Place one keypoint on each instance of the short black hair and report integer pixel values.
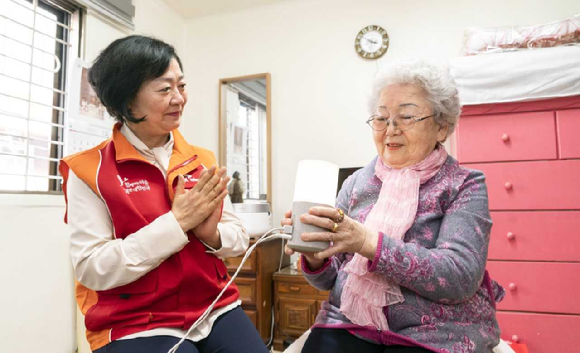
(123, 67)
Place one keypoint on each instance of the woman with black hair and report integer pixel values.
(150, 217)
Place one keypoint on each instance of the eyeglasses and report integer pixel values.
(401, 122)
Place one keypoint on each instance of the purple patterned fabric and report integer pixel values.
(440, 265)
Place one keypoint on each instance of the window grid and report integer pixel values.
(39, 103)
(249, 114)
(253, 168)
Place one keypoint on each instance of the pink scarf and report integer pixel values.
(366, 293)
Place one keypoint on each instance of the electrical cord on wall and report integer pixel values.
(269, 235)
(271, 340)
(269, 344)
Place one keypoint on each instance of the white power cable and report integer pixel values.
(287, 231)
(265, 237)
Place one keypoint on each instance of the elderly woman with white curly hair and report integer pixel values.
(409, 234)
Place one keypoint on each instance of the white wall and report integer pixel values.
(37, 297)
(155, 18)
(37, 300)
(319, 84)
(152, 17)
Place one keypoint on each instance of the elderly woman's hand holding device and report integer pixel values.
(409, 235)
(348, 235)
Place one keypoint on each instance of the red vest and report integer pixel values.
(176, 293)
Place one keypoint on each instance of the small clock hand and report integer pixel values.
(370, 40)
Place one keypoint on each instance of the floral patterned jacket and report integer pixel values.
(440, 265)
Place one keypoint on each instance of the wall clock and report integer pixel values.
(371, 42)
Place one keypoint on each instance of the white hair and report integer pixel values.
(436, 81)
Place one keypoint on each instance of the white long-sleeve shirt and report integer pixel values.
(102, 262)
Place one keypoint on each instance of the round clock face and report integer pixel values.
(372, 42)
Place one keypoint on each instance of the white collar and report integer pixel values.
(140, 145)
(159, 156)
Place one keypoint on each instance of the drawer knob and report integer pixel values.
(294, 289)
(511, 236)
(512, 286)
(515, 338)
(508, 185)
(505, 137)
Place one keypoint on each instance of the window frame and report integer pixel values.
(69, 34)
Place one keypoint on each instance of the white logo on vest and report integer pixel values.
(190, 178)
(136, 186)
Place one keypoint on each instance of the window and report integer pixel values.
(252, 116)
(35, 46)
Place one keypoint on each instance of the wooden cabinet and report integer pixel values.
(296, 305)
(255, 283)
(296, 315)
(530, 154)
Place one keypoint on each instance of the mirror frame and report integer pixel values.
(222, 124)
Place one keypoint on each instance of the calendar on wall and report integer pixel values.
(83, 136)
(88, 122)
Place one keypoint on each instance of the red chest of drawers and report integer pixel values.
(530, 154)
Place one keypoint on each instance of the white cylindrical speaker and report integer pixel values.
(316, 184)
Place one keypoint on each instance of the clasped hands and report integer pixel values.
(344, 233)
(198, 209)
